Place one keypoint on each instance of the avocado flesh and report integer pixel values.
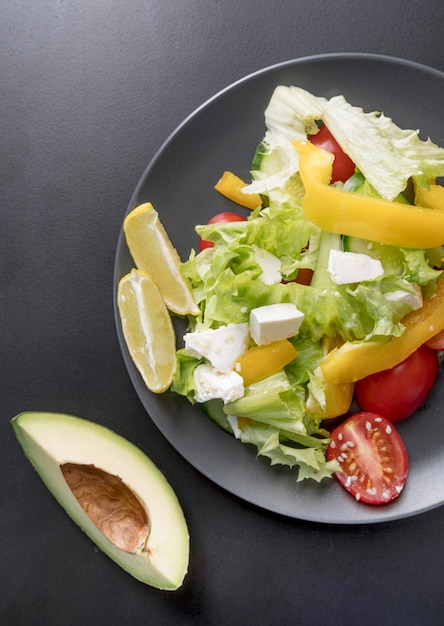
(56, 443)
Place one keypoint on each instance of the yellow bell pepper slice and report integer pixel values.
(338, 398)
(355, 360)
(230, 185)
(345, 213)
(432, 198)
(261, 361)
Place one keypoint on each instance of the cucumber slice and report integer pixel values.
(215, 410)
(390, 256)
(266, 160)
(321, 278)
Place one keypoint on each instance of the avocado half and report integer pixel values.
(113, 491)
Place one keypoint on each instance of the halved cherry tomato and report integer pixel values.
(372, 457)
(226, 216)
(397, 393)
(436, 342)
(343, 166)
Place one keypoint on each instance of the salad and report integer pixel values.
(325, 297)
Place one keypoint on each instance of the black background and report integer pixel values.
(89, 90)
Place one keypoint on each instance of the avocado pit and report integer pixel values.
(110, 504)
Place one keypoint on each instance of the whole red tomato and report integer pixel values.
(396, 393)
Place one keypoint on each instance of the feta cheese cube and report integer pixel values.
(352, 267)
(270, 266)
(274, 322)
(211, 383)
(221, 346)
(414, 300)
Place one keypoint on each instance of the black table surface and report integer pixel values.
(89, 90)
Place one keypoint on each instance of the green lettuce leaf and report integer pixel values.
(273, 401)
(310, 354)
(183, 378)
(310, 459)
(417, 266)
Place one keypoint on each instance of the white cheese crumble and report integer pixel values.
(274, 322)
(221, 346)
(352, 267)
(211, 384)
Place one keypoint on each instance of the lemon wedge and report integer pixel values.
(148, 329)
(153, 252)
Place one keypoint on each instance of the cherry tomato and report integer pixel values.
(226, 216)
(372, 457)
(436, 342)
(343, 166)
(397, 393)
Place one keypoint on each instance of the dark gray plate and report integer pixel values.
(222, 134)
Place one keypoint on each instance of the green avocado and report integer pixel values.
(112, 491)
